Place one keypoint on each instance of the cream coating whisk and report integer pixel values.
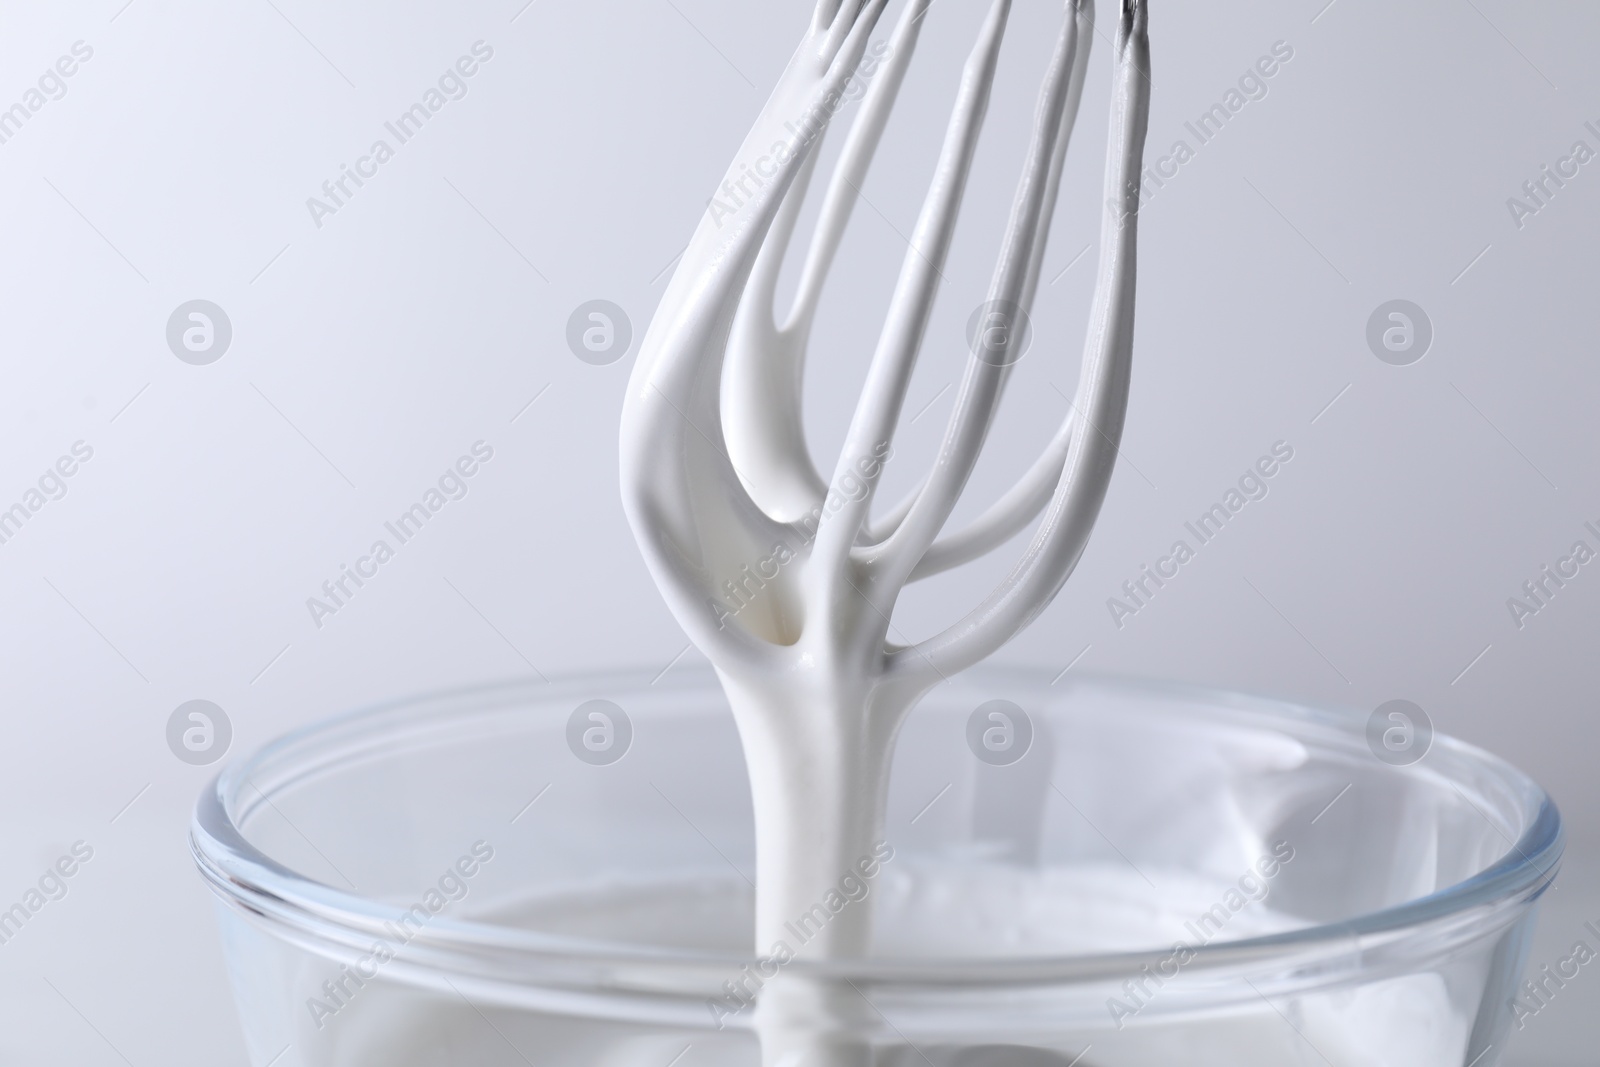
(783, 579)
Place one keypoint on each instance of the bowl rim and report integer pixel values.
(327, 918)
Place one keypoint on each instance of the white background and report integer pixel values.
(368, 353)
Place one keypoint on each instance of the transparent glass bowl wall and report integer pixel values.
(447, 880)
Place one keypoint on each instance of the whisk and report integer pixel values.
(783, 579)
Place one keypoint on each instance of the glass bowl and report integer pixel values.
(1097, 873)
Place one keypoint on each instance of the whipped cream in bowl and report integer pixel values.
(1160, 877)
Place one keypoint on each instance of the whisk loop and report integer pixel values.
(779, 574)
